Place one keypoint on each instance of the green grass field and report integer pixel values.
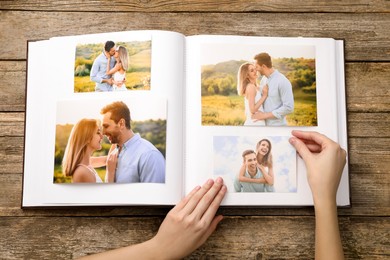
(134, 81)
(229, 110)
(137, 77)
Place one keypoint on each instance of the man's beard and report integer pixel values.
(113, 139)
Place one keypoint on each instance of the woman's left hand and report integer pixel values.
(189, 224)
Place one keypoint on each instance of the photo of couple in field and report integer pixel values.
(112, 66)
(258, 85)
(117, 141)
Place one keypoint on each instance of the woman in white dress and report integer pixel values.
(119, 71)
(85, 138)
(254, 94)
(264, 164)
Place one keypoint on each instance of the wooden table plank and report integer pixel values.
(334, 6)
(245, 233)
(235, 238)
(370, 196)
(366, 35)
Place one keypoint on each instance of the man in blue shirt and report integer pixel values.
(138, 159)
(280, 100)
(99, 68)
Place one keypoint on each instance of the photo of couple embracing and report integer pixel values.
(269, 102)
(113, 66)
(255, 85)
(130, 157)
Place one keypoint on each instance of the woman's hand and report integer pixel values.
(189, 224)
(112, 160)
(264, 92)
(325, 161)
(185, 228)
(268, 175)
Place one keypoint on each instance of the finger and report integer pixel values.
(208, 199)
(209, 211)
(194, 200)
(311, 136)
(314, 148)
(301, 148)
(185, 200)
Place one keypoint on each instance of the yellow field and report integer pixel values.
(229, 110)
(134, 81)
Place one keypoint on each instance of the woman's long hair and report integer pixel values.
(80, 136)
(123, 57)
(267, 158)
(242, 78)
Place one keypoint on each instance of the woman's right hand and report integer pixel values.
(325, 161)
(112, 160)
(264, 92)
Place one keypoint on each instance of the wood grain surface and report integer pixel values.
(246, 232)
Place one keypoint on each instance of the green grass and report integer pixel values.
(134, 81)
(223, 110)
(229, 110)
(137, 77)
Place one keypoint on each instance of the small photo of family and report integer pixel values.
(255, 85)
(112, 66)
(100, 141)
(255, 164)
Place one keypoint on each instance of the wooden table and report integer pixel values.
(245, 233)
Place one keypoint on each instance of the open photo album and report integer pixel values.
(142, 117)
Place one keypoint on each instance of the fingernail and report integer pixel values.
(210, 181)
(219, 180)
(292, 140)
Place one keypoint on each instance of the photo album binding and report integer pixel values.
(142, 117)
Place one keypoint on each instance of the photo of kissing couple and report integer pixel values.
(244, 87)
(104, 144)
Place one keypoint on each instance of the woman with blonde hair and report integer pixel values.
(254, 94)
(119, 71)
(78, 163)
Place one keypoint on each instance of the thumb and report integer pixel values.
(300, 147)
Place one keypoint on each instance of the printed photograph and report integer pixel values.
(122, 141)
(258, 85)
(256, 163)
(112, 66)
